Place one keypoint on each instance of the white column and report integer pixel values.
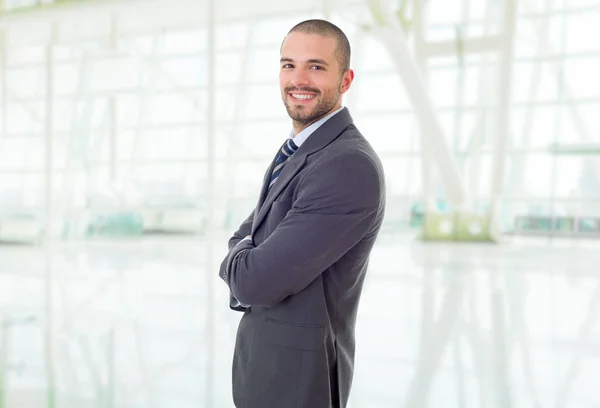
(392, 37)
(112, 109)
(504, 115)
(426, 157)
(48, 133)
(478, 134)
(112, 152)
(48, 221)
(211, 191)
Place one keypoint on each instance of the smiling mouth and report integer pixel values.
(302, 97)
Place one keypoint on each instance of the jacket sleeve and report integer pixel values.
(336, 204)
(242, 232)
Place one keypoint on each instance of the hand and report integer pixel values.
(246, 238)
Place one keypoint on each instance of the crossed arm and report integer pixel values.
(241, 234)
(336, 205)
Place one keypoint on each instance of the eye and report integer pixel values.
(287, 66)
(317, 67)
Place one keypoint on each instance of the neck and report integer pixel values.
(300, 126)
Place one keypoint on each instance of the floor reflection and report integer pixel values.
(129, 324)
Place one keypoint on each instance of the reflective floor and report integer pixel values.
(145, 324)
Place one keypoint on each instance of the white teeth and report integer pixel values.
(303, 97)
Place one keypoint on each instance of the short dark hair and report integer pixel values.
(325, 28)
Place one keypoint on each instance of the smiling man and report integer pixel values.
(312, 77)
(297, 264)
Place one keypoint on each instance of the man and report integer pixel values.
(296, 265)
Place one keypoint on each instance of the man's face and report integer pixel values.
(310, 78)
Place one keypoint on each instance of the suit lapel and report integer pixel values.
(287, 174)
(324, 135)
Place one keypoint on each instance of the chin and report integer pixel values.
(301, 115)
(298, 113)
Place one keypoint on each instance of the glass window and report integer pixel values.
(580, 77)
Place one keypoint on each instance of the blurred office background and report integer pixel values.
(134, 137)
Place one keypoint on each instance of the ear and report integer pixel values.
(347, 78)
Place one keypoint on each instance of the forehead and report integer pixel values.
(302, 46)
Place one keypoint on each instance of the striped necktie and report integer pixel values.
(287, 150)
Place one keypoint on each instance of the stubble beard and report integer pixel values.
(301, 115)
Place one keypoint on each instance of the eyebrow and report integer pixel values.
(311, 61)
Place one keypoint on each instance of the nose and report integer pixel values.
(300, 79)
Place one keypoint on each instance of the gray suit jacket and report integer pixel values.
(302, 273)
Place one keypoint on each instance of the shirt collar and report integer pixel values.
(304, 134)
